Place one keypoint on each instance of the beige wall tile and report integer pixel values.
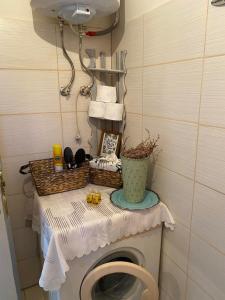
(68, 104)
(29, 271)
(133, 100)
(208, 216)
(176, 192)
(174, 31)
(210, 161)
(175, 245)
(17, 210)
(15, 182)
(132, 41)
(213, 102)
(27, 45)
(25, 240)
(133, 130)
(207, 268)
(24, 91)
(173, 90)
(172, 279)
(27, 134)
(215, 39)
(134, 9)
(70, 130)
(177, 144)
(22, 11)
(194, 292)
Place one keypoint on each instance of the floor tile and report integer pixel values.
(35, 293)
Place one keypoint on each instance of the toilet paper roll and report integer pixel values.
(106, 93)
(114, 111)
(96, 109)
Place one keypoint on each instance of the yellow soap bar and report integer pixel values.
(99, 196)
(89, 198)
(94, 198)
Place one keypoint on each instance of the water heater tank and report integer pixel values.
(76, 11)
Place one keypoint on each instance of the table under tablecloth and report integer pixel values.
(70, 227)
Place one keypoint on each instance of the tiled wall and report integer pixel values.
(176, 87)
(33, 116)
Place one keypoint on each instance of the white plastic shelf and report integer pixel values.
(106, 70)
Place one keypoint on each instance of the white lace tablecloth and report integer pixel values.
(69, 228)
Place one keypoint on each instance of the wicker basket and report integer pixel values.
(106, 178)
(47, 181)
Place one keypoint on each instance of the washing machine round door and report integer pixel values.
(113, 281)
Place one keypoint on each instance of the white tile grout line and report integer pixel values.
(169, 119)
(38, 70)
(40, 113)
(128, 68)
(197, 140)
(177, 61)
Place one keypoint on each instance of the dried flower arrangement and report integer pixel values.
(143, 150)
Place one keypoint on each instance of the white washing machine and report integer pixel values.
(114, 272)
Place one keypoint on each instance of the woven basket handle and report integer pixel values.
(23, 168)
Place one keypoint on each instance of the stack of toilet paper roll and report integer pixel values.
(105, 106)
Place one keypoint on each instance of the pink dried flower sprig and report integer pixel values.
(143, 150)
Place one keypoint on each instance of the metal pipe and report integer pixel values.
(65, 91)
(85, 90)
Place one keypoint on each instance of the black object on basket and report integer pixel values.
(47, 181)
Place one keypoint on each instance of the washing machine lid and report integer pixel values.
(150, 291)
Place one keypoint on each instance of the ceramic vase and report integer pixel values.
(134, 173)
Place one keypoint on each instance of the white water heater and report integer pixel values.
(76, 11)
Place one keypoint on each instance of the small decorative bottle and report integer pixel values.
(57, 156)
